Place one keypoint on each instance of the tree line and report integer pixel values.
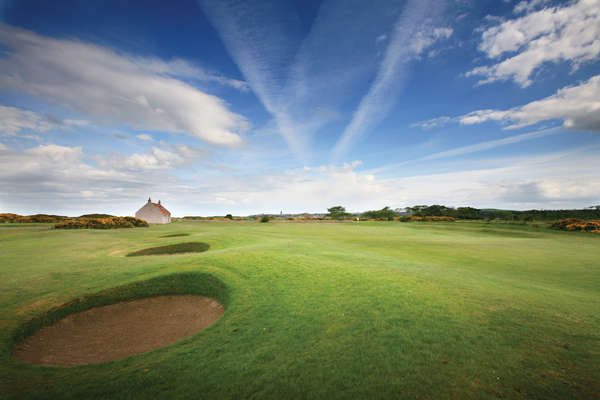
(436, 210)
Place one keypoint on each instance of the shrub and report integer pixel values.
(572, 224)
(101, 223)
(427, 219)
(96, 216)
(265, 218)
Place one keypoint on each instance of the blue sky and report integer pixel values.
(221, 107)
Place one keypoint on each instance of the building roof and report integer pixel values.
(161, 208)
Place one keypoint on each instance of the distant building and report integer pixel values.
(154, 213)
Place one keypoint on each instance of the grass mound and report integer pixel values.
(193, 283)
(188, 247)
(175, 235)
(572, 224)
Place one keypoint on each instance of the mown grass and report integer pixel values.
(188, 247)
(358, 310)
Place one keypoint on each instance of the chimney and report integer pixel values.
(159, 202)
(149, 201)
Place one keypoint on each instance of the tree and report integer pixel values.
(229, 216)
(338, 212)
(384, 213)
(467, 213)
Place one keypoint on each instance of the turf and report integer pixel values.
(188, 247)
(350, 310)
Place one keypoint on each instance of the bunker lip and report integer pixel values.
(119, 330)
(179, 248)
(195, 291)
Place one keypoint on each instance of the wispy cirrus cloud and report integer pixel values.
(263, 45)
(413, 33)
(577, 106)
(114, 88)
(550, 35)
(469, 149)
(297, 75)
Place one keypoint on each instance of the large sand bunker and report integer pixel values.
(119, 330)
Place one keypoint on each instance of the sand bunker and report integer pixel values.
(119, 330)
(187, 247)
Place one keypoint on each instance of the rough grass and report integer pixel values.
(466, 310)
(188, 247)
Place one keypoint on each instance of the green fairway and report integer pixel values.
(463, 310)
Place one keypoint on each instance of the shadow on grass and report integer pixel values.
(175, 235)
(194, 283)
(188, 247)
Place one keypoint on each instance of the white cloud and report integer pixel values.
(109, 87)
(380, 39)
(413, 33)
(145, 137)
(158, 159)
(528, 6)
(566, 180)
(577, 106)
(14, 120)
(555, 34)
(56, 179)
(55, 153)
(432, 123)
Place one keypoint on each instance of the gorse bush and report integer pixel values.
(572, 224)
(265, 218)
(39, 218)
(102, 223)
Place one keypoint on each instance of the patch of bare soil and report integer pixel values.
(119, 330)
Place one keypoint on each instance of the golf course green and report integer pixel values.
(460, 310)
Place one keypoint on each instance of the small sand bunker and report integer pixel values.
(187, 247)
(119, 330)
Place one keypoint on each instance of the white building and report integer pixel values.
(154, 213)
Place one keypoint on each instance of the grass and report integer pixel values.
(175, 235)
(462, 310)
(188, 247)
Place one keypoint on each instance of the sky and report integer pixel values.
(217, 107)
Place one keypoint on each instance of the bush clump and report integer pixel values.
(572, 224)
(37, 218)
(409, 218)
(265, 218)
(96, 216)
(101, 223)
